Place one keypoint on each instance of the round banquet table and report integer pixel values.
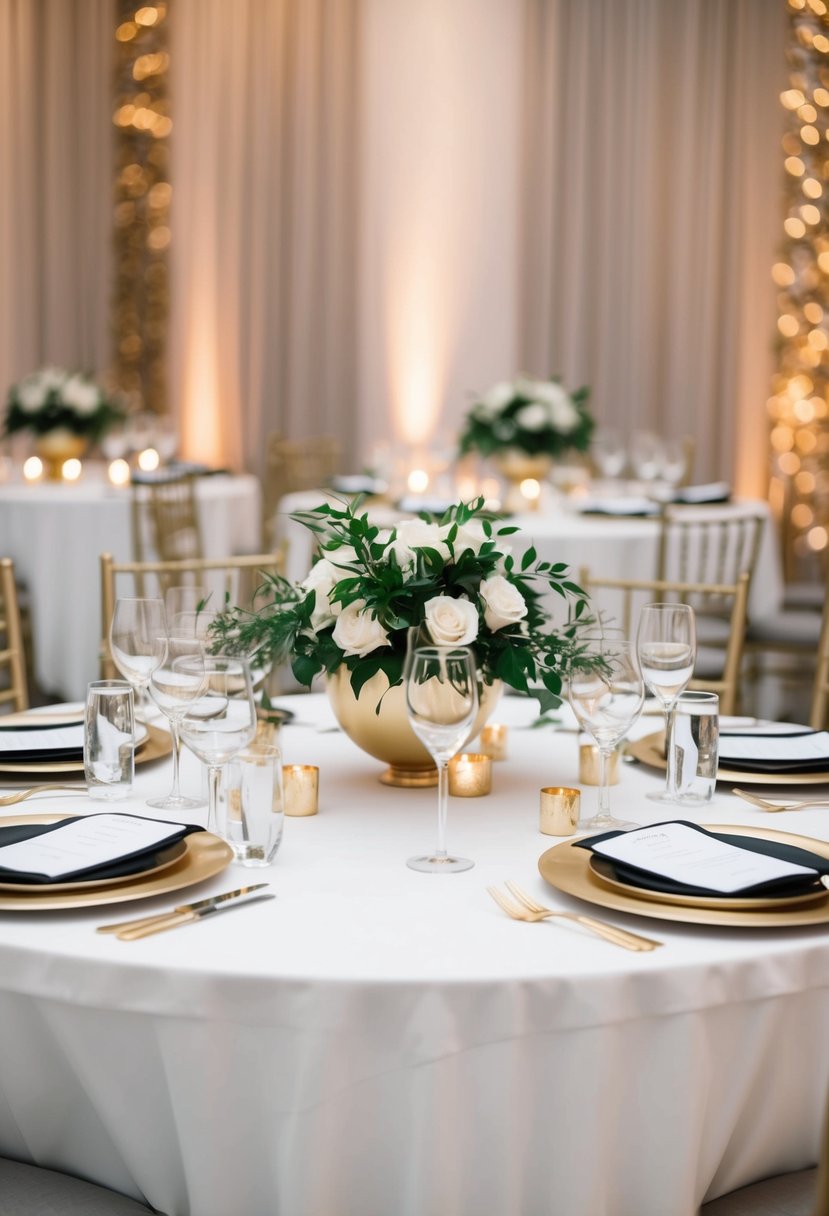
(376, 1040)
(56, 531)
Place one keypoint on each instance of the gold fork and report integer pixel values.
(793, 804)
(527, 910)
(10, 799)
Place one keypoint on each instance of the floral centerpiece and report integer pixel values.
(53, 399)
(536, 417)
(456, 577)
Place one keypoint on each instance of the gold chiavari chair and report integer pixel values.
(13, 691)
(296, 464)
(618, 600)
(820, 691)
(230, 580)
(165, 519)
(709, 544)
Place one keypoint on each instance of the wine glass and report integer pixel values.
(666, 642)
(606, 693)
(220, 722)
(441, 703)
(187, 612)
(138, 642)
(174, 689)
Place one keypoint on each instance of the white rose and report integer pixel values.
(31, 394)
(470, 535)
(526, 386)
(494, 399)
(564, 415)
(412, 534)
(323, 578)
(503, 602)
(358, 632)
(82, 396)
(533, 417)
(345, 555)
(52, 377)
(451, 622)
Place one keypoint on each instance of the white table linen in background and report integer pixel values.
(381, 1041)
(610, 547)
(55, 532)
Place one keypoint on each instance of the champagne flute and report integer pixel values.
(666, 642)
(219, 723)
(606, 693)
(441, 703)
(138, 642)
(174, 689)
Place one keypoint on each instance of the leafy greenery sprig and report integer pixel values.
(387, 582)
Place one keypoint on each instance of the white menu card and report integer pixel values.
(91, 841)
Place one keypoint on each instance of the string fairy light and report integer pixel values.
(798, 409)
(143, 195)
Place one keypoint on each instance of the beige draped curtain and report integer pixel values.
(264, 220)
(56, 175)
(652, 186)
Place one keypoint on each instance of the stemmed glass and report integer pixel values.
(220, 722)
(442, 703)
(666, 642)
(174, 689)
(606, 693)
(138, 642)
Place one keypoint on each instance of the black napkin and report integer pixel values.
(777, 888)
(768, 764)
(48, 755)
(134, 863)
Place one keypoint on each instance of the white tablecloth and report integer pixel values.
(381, 1041)
(55, 533)
(610, 547)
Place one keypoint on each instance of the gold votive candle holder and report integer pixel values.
(589, 765)
(494, 740)
(470, 775)
(300, 789)
(559, 810)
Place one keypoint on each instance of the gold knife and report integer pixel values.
(211, 903)
(183, 918)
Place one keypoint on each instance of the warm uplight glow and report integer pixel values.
(119, 472)
(71, 469)
(148, 460)
(418, 481)
(33, 468)
(530, 489)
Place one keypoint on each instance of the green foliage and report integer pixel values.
(537, 417)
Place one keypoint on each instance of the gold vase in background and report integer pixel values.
(56, 447)
(517, 467)
(388, 736)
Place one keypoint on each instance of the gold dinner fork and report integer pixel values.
(792, 804)
(528, 910)
(10, 799)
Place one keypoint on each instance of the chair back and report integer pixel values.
(165, 520)
(626, 597)
(13, 689)
(229, 580)
(820, 690)
(296, 464)
(711, 545)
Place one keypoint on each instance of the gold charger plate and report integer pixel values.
(603, 869)
(568, 869)
(648, 750)
(157, 744)
(204, 856)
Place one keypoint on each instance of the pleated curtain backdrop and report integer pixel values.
(56, 192)
(652, 211)
(263, 262)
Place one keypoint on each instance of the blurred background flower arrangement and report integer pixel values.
(535, 417)
(53, 399)
(456, 576)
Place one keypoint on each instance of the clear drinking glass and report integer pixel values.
(254, 804)
(695, 743)
(174, 689)
(220, 722)
(606, 694)
(666, 642)
(138, 642)
(109, 740)
(442, 703)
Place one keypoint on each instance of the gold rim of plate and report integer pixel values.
(158, 743)
(649, 750)
(568, 869)
(204, 856)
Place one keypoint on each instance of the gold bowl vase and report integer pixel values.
(516, 467)
(388, 736)
(55, 447)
